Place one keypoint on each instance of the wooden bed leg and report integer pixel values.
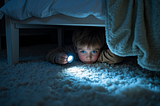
(60, 37)
(12, 42)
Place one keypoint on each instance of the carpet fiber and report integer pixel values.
(35, 82)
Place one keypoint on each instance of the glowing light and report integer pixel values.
(81, 72)
(70, 58)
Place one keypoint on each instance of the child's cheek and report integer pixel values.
(81, 57)
(95, 58)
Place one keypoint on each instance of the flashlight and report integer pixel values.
(70, 58)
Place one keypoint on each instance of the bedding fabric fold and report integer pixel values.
(133, 29)
(24, 9)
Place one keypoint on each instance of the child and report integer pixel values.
(89, 46)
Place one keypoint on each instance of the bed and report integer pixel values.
(132, 27)
(14, 24)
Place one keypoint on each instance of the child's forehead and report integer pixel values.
(88, 47)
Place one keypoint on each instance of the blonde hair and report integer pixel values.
(90, 37)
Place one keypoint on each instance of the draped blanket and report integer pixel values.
(133, 29)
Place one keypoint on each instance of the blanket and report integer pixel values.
(133, 29)
(24, 9)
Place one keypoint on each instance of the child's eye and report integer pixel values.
(82, 51)
(94, 51)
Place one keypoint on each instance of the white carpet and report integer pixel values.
(35, 82)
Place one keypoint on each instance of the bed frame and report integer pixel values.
(13, 26)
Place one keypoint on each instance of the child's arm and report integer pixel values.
(108, 57)
(61, 58)
(58, 55)
(53, 54)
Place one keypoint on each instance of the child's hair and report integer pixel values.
(89, 36)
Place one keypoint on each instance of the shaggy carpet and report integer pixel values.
(35, 82)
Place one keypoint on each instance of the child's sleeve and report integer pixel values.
(108, 57)
(52, 54)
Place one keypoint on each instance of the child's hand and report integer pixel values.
(61, 58)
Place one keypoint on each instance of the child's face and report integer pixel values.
(88, 55)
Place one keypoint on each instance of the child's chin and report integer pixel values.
(88, 62)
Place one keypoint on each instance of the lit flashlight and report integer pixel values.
(70, 58)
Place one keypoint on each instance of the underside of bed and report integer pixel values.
(61, 19)
(13, 26)
(45, 9)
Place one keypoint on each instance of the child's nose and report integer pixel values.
(89, 56)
